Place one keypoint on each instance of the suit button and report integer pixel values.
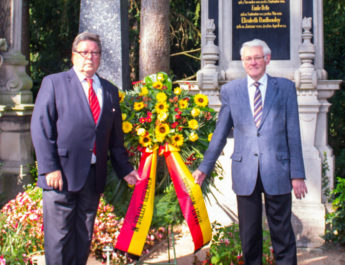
(256, 154)
(90, 149)
(258, 134)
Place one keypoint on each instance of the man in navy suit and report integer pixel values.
(262, 111)
(72, 146)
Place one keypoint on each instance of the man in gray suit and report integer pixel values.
(262, 111)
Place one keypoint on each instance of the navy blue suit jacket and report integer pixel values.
(274, 148)
(63, 132)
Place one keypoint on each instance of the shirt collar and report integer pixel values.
(262, 80)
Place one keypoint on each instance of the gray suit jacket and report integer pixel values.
(274, 148)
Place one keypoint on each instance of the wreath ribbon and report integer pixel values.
(139, 214)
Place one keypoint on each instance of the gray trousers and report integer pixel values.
(68, 219)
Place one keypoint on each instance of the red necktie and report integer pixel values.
(94, 104)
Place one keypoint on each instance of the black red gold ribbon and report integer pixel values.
(139, 214)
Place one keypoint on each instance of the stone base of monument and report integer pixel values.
(308, 221)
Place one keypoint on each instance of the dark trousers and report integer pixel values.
(278, 212)
(68, 219)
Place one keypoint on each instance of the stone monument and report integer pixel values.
(16, 152)
(109, 19)
(294, 32)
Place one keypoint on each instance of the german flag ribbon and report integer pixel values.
(138, 218)
(189, 195)
(139, 214)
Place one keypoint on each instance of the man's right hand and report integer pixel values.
(199, 176)
(54, 179)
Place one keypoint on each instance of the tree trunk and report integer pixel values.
(154, 51)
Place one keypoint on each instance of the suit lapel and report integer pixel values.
(244, 101)
(80, 94)
(271, 93)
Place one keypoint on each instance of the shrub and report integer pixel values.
(226, 248)
(336, 220)
(21, 226)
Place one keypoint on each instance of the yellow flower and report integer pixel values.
(177, 140)
(177, 90)
(201, 100)
(193, 136)
(210, 137)
(183, 103)
(121, 96)
(160, 138)
(145, 141)
(144, 91)
(193, 124)
(162, 116)
(141, 131)
(195, 112)
(162, 130)
(138, 105)
(124, 116)
(160, 77)
(161, 97)
(127, 127)
(161, 107)
(157, 85)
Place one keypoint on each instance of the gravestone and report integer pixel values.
(16, 151)
(294, 32)
(109, 19)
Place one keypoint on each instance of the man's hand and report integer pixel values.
(199, 176)
(299, 188)
(54, 179)
(132, 177)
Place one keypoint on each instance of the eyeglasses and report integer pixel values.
(86, 53)
(255, 59)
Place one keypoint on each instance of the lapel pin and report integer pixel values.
(113, 110)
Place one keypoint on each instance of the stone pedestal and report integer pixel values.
(16, 151)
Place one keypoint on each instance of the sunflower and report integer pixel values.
(157, 85)
(162, 129)
(193, 136)
(177, 140)
(144, 91)
(193, 124)
(209, 137)
(138, 105)
(195, 112)
(161, 97)
(201, 100)
(161, 107)
(160, 77)
(162, 116)
(121, 96)
(127, 127)
(183, 103)
(145, 141)
(177, 91)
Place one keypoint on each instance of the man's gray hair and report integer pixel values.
(86, 36)
(256, 43)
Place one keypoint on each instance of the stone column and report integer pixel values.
(15, 104)
(109, 19)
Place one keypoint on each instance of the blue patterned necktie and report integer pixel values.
(257, 105)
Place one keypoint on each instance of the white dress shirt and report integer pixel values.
(97, 87)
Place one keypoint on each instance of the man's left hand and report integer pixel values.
(132, 177)
(299, 188)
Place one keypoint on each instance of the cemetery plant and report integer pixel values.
(335, 220)
(225, 248)
(21, 226)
